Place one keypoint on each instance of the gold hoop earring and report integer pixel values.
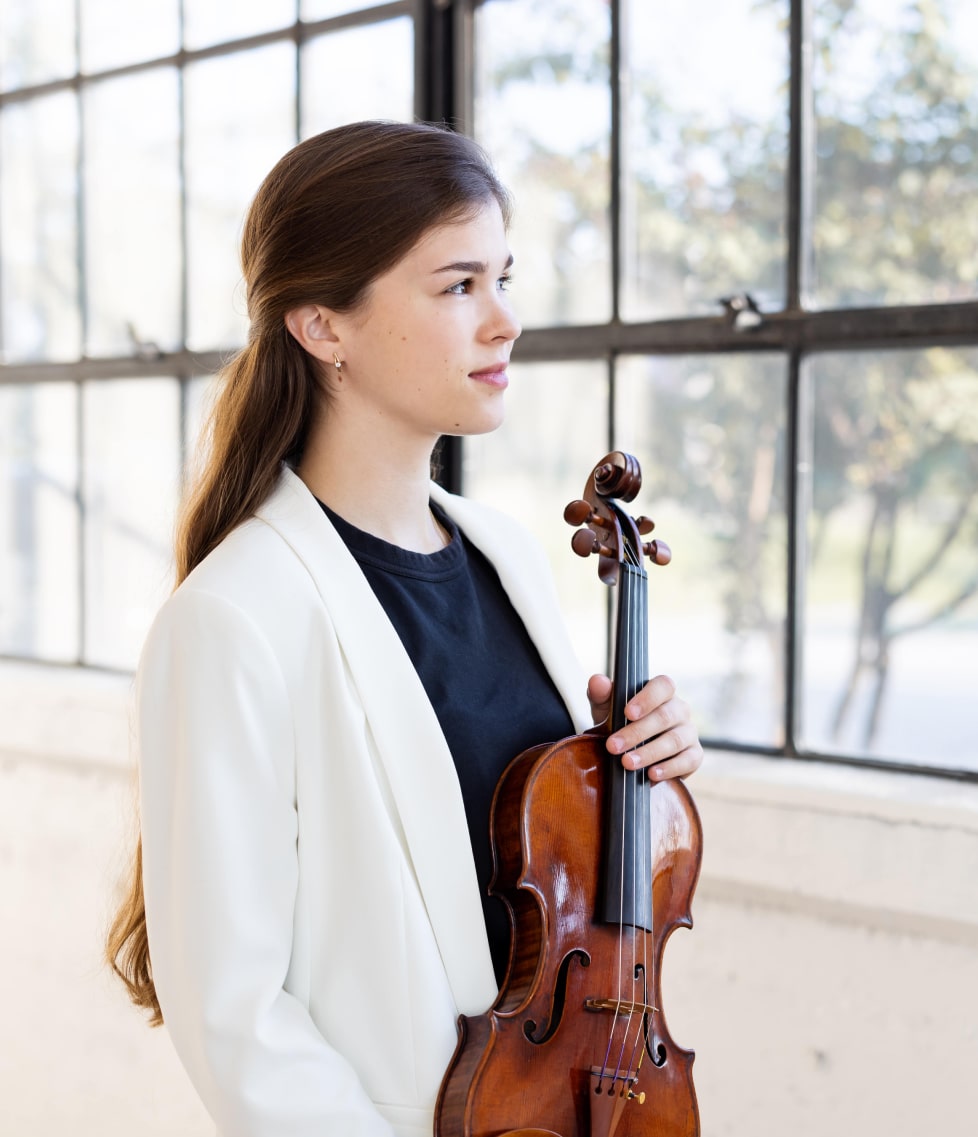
(337, 362)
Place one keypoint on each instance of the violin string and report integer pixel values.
(644, 836)
(648, 883)
(629, 811)
(638, 780)
(636, 808)
(623, 678)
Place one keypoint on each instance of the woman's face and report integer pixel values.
(426, 353)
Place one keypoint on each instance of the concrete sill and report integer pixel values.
(898, 852)
(893, 851)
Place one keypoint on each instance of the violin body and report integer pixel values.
(597, 866)
(526, 1064)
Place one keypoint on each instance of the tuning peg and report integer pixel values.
(584, 543)
(644, 524)
(577, 512)
(658, 552)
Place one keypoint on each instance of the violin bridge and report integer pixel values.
(611, 1091)
(620, 1006)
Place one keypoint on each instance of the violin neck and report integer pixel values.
(626, 892)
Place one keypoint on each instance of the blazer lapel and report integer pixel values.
(421, 774)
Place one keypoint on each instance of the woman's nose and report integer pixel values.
(505, 325)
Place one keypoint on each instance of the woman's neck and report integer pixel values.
(381, 490)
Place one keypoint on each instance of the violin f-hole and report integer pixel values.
(558, 999)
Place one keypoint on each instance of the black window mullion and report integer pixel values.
(182, 177)
(80, 495)
(801, 141)
(442, 62)
(616, 78)
(797, 475)
(80, 499)
(436, 44)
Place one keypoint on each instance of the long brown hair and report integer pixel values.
(336, 212)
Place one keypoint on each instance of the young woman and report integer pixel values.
(350, 660)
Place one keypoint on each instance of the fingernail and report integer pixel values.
(615, 745)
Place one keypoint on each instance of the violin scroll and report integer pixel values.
(618, 475)
(610, 532)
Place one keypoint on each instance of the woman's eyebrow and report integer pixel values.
(471, 267)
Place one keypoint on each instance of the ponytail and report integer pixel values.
(259, 420)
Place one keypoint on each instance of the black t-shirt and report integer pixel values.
(479, 667)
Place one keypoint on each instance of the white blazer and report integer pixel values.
(314, 920)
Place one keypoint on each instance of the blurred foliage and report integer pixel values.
(895, 434)
(897, 157)
(903, 443)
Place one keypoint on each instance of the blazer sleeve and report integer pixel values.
(220, 870)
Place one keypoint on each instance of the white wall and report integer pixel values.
(829, 986)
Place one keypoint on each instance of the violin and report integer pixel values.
(597, 866)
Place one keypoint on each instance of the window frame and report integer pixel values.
(444, 87)
(798, 333)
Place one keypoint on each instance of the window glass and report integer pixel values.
(37, 41)
(708, 432)
(39, 229)
(896, 102)
(240, 121)
(310, 10)
(206, 22)
(555, 431)
(543, 111)
(39, 571)
(117, 32)
(132, 214)
(200, 394)
(359, 73)
(891, 612)
(704, 152)
(131, 478)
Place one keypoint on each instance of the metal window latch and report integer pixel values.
(742, 312)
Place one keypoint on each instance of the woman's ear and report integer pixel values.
(310, 327)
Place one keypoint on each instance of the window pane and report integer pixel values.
(39, 521)
(891, 618)
(39, 229)
(132, 214)
(364, 72)
(200, 395)
(37, 41)
(214, 21)
(323, 9)
(709, 434)
(556, 429)
(131, 448)
(896, 101)
(116, 32)
(240, 121)
(704, 156)
(543, 111)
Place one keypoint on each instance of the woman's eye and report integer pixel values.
(504, 281)
(460, 288)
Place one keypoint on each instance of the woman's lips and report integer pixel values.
(495, 376)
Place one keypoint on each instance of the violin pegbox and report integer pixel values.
(611, 532)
